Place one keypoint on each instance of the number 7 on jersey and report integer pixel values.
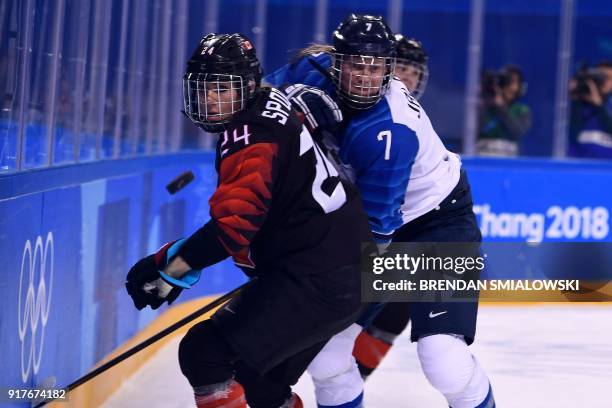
(381, 136)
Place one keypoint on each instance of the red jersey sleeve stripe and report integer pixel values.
(240, 203)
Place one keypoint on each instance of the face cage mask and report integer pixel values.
(209, 99)
(420, 69)
(358, 84)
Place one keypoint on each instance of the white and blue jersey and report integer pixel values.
(397, 160)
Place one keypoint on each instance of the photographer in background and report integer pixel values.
(591, 112)
(503, 120)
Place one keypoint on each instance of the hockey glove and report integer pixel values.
(147, 284)
(320, 111)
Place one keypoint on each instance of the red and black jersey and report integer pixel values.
(279, 202)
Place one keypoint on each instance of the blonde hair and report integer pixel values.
(313, 48)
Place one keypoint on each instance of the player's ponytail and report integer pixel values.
(313, 48)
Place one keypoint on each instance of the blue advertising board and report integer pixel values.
(69, 235)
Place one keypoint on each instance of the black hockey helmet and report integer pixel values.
(221, 63)
(410, 49)
(363, 60)
(411, 65)
(364, 35)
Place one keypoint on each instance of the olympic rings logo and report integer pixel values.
(34, 301)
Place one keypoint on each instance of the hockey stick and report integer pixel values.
(160, 335)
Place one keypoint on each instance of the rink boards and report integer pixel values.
(68, 236)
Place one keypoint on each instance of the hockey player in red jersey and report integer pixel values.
(283, 214)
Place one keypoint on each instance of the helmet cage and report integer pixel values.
(419, 68)
(211, 100)
(356, 81)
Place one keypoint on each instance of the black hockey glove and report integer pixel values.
(320, 111)
(147, 284)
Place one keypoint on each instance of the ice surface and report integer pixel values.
(544, 356)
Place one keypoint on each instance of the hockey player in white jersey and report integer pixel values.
(412, 188)
(375, 341)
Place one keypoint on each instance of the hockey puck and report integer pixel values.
(180, 182)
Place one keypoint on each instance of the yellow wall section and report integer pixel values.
(97, 390)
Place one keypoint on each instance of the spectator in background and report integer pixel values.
(591, 112)
(503, 120)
